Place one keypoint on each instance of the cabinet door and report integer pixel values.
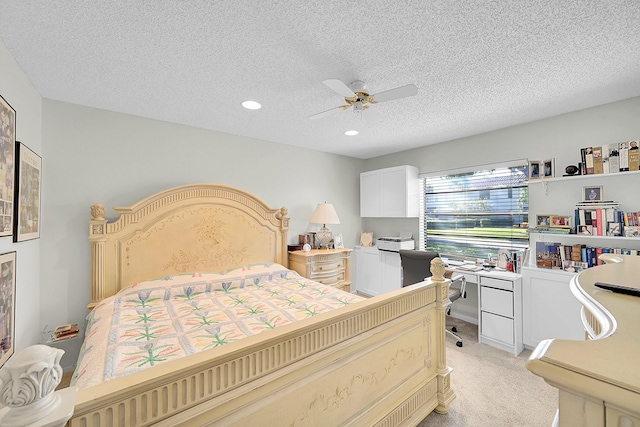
(370, 194)
(549, 308)
(368, 271)
(391, 271)
(394, 194)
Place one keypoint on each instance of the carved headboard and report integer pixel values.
(199, 227)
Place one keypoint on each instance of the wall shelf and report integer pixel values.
(573, 177)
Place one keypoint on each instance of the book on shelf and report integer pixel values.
(597, 160)
(614, 158)
(589, 160)
(623, 153)
(634, 156)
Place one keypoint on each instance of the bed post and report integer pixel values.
(284, 227)
(445, 393)
(97, 236)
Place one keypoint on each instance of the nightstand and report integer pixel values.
(328, 266)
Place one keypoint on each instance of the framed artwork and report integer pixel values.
(548, 168)
(543, 220)
(585, 229)
(366, 238)
(26, 218)
(534, 170)
(7, 156)
(7, 305)
(560, 221)
(592, 194)
(338, 243)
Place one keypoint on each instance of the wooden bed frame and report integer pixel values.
(379, 362)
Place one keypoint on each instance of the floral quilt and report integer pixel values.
(163, 319)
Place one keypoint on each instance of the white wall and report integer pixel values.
(560, 137)
(95, 156)
(16, 89)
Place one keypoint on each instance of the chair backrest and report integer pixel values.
(416, 265)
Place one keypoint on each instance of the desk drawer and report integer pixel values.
(497, 328)
(496, 301)
(496, 283)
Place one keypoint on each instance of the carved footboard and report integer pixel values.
(378, 362)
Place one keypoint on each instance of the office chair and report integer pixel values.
(416, 267)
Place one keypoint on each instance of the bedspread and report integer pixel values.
(163, 319)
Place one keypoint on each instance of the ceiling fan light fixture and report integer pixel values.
(251, 105)
(351, 133)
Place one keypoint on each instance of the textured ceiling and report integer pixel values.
(478, 65)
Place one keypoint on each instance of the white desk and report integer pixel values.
(499, 308)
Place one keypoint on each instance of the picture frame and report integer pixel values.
(548, 168)
(534, 170)
(614, 229)
(592, 193)
(338, 243)
(7, 156)
(543, 220)
(7, 305)
(366, 238)
(587, 230)
(560, 221)
(28, 188)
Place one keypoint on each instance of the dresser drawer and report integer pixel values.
(329, 279)
(496, 283)
(496, 301)
(330, 264)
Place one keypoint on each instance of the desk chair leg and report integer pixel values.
(456, 336)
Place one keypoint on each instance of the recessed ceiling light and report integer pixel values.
(351, 132)
(251, 105)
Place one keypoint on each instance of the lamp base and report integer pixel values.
(324, 237)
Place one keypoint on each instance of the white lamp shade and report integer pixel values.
(325, 213)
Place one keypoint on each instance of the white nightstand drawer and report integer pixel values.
(496, 283)
(496, 301)
(497, 328)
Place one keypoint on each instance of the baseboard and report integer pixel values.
(468, 319)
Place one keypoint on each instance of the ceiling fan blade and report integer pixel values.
(339, 87)
(324, 113)
(397, 93)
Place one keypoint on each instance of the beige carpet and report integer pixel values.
(493, 387)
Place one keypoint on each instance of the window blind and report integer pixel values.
(474, 213)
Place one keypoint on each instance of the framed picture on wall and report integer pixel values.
(534, 170)
(7, 305)
(549, 168)
(7, 155)
(28, 186)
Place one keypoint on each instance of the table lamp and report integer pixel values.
(324, 214)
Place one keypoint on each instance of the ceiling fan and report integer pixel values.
(358, 98)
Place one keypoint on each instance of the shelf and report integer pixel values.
(586, 236)
(573, 177)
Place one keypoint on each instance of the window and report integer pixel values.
(474, 213)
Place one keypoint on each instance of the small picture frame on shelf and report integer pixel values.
(632, 231)
(592, 193)
(560, 221)
(543, 220)
(586, 230)
(613, 229)
(534, 170)
(338, 243)
(549, 168)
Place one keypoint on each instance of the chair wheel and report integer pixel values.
(454, 329)
(459, 343)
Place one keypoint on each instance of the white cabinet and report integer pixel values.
(390, 193)
(500, 308)
(549, 308)
(377, 271)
